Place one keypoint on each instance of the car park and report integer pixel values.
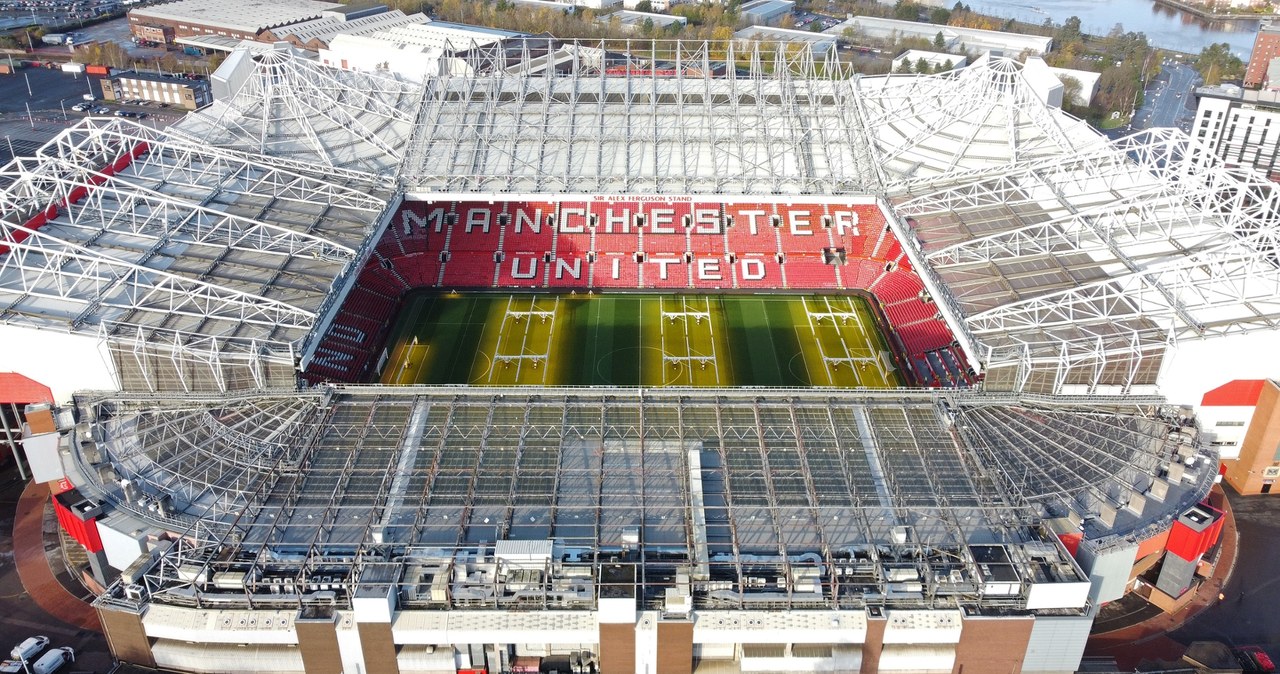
(29, 648)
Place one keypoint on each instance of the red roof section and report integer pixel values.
(1238, 393)
(15, 388)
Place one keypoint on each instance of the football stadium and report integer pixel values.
(651, 357)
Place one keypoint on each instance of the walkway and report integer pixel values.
(1149, 640)
(33, 564)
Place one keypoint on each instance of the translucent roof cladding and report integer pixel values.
(167, 237)
(1104, 254)
(280, 105)
(641, 135)
(788, 475)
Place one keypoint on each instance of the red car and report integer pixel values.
(1254, 659)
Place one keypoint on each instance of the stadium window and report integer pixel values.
(776, 220)
(728, 221)
(592, 220)
(826, 222)
(687, 220)
(503, 219)
(639, 219)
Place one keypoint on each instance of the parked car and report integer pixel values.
(53, 660)
(29, 648)
(1254, 659)
(102, 110)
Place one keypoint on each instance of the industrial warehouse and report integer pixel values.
(264, 491)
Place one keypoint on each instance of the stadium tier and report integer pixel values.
(631, 244)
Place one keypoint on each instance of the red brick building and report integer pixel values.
(1265, 48)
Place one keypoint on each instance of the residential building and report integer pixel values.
(1266, 48)
(1240, 126)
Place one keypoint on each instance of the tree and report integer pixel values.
(939, 41)
(947, 65)
(647, 27)
(1216, 63)
(1069, 32)
(644, 6)
(939, 15)
(904, 68)
(922, 66)
(906, 11)
(1071, 89)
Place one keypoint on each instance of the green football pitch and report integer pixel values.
(492, 339)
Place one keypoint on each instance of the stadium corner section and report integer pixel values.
(633, 243)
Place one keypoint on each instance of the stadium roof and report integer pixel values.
(1065, 260)
(714, 478)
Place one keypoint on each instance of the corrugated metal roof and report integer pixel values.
(1238, 393)
(16, 388)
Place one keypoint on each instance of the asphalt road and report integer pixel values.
(1248, 615)
(22, 617)
(1169, 100)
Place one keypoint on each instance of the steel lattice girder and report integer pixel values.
(117, 205)
(46, 266)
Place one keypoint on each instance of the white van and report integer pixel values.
(53, 660)
(29, 649)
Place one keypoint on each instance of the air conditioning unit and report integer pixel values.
(134, 592)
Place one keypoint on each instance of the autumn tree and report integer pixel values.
(1216, 63)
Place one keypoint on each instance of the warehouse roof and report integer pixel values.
(248, 16)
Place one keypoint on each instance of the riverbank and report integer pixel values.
(1201, 13)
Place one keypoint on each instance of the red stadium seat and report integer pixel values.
(615, 270)
(706, 229)
(529, 228)
(757, 271)
(612, 227)
(476, 227)
(469, 269)
(665, 271)
(801, 229)
(752, 231)
(809, 272)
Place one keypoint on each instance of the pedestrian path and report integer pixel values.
(33, 564)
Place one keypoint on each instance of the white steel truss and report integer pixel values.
(787, 124)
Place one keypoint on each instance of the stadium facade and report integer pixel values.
(268, 513)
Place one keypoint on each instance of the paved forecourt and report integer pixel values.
(497, 339)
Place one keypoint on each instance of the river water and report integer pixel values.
(1164, 26)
